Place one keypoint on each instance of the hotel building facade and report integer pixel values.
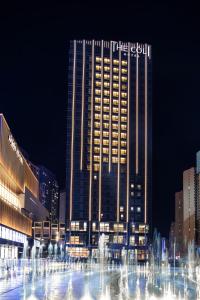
(19, 203)
(109, 147)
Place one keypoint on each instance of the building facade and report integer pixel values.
(109, 142)
(179, 223)
(19, 202)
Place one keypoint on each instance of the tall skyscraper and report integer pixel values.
(109, 145)
(189, 206)
(179, 222)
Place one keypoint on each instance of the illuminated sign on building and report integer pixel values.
(135, 50)
(14, 147)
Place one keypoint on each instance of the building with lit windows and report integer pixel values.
(109, 142)
(19, 203)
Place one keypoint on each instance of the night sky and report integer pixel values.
(33, 81)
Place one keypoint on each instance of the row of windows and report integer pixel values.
(106, 126)
(114, 159)
(106, 84)
(114, 61)
(106, 117)
(114, 70)
(106, 142)
(107, 101)
(107, 93)
(107, 109)
(106, 151)
(106, 134)
(107, 77)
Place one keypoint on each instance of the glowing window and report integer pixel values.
(105, 134)
(124, 71)
(123, 135)
(138, 209)
(96, 142)
(105, 142)
(115, 134)
(96, 158)
(97, 107)
(124, 95)
(106, 93)
(98, 75)
(124, 62)
(115, 94)
(106, 60)
(124, 111)
(114, 126)
(123, 151)
(115, 102)
(106, 100)
(106, 125)
(105, 159)
(106, 68)
(132, 240)
(98, 67)
(115, 70)
(115, 118)
(123, 143)
(96, 124)
(124, 103)
(97, 116)
(115, 62)
(124, 87)
(121, 209)
(106, 117)
(124, 79)
(98, 59)
(114, 160)
(123, 160)
(97, 92)
(115, 143)
(106, 84)
(123, 119)
(115, 85)
(96, 167)
(106, 108)
(96, 150)
(123, 127)
(105, 151)
(97, 99)
(114, 151)
(106, 76)
(115, 77)
(96, 133)
(115, 109)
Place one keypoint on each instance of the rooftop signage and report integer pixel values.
(135, 50)
(15, 148)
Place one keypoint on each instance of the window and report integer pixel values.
(132, 208)
(106, 68)
(132, 185)
(106, 108)
(106, 125)
(105, 142)
(106, 117)
(115, 143)
(124, 63)
(122, 160)
(115, 77)
(115, 85)
(123, 127)
(106, 100)
(124, 119)
(98, 59)
(115, 102)
(115, 94)
(97, 116)
(124, 103)
(96, 142)
(105, 151)
(98, 67)
(97, 92)
(115, 126)
(98, 75)
(132, 240)
(105, 159)
(106, 60)
(96, 133)
(124, 95)
(98, 83)
(97, 107)
(132, 194)
(124, 71)
(123, 143)
(123, 135)
(123, 152)
(96, 167)
(124, 87)
(96, 124)
(115, 62)
(96, 150)
(97, 99)
(106, 76)
(106, 84)
(141, 240)
(114, 160)
(115, 118)
(96, 158)
(115, 109)
(106, 93)
(121, 209)
(115, 135)
(139, 186)
(138, 209)
(124, 79)
(114, 151)
(115, 70)
(105, 134)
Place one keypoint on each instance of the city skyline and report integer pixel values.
(174, 121)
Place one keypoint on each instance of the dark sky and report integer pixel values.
(33, 81)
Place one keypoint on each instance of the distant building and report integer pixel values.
(62, 207)
(49, 192)
(179, 221)
(198, 198)
(189, 206)
(171, 239)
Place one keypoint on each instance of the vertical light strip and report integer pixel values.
(110, 119)
(72, 132)
(146, 140)
(136, 117)
(119, 136)
(101, 131)
(91, 134)
(128, 141)
(83, 106)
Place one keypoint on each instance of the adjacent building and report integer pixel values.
(62, 207)
(178, 227)
(109, 155)
(19, 191)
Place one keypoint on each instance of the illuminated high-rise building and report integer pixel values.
(109, 146)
